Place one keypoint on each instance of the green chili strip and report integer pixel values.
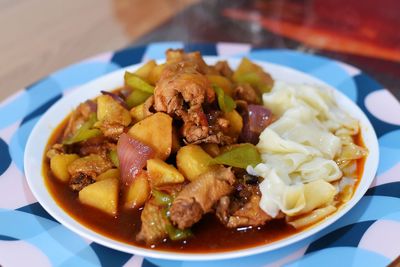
(136, 98)
(240, 156)
(84, 132)
(166, 200)
(255, 80)
(114, 158)
(173, 232)
(225, 102)
(162, 198)
(136, 82)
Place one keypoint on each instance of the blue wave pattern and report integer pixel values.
(335, 245)
(5, 158)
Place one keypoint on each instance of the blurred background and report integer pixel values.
(41, 36)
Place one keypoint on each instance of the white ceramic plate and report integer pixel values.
(51, 119)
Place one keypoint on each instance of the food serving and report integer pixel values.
(195, 157)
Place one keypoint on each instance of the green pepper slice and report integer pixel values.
(252, 74)
(255, 80)
(84, 132)
(166, 200)
(138, 83)
(173, 232)
(240, 156)
(136, 98)
(178, 234)
(114, 157)
(225, 102)
(162, 198)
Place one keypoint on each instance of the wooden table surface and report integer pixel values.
(37, 37)
(41, 36)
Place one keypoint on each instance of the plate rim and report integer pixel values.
(90, 234)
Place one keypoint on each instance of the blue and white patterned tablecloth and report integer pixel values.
(367, 236)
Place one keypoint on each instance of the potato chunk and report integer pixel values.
(145, 70)
(91, 165)
(162, 173)
(102, 195)
(222, 82)
(251, 73)
(111, 173)
(59, 165)
(155, 73)
(138, 192)
(155, 131)
(138, 113)
(110, 111)
(235, 122)
(192, 161)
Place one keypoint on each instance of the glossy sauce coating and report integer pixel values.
(209, 235)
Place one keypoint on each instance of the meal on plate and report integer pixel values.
(197, 157)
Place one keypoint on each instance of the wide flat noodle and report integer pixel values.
(318, 168)
(312, 217)
(302, 151)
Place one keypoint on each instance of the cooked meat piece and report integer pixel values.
(100, 149)
(247, 93)
(171, 189)
(241, 208)
(241, 194)
(55, 150)
(77, 183)
(97, 145)
(222, 67)
(218, 129)
(244, 192)
(195, 134)
(78, 117)
(181, 83)
(195, 58)
(223, 209)
(249, 215)
(89, 164)
(195, 128)
(199, 196)
(154, 224)
(181, 91)
(90, 167)
(111, 130)
(248, 180)
(186, 212)
(113, 115)
(148, 104)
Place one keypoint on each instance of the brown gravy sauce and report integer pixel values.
(209, 235)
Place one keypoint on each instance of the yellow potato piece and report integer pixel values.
(155, 73)
(102, 195)
(222, 82)
(253, 74)
(145, 70)
(156, 132)
(138, 192)
(235, 122)
(138, 113)
(162, 173)
(110, 110)
(111, 173)
(192, 161)
(59, 165)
